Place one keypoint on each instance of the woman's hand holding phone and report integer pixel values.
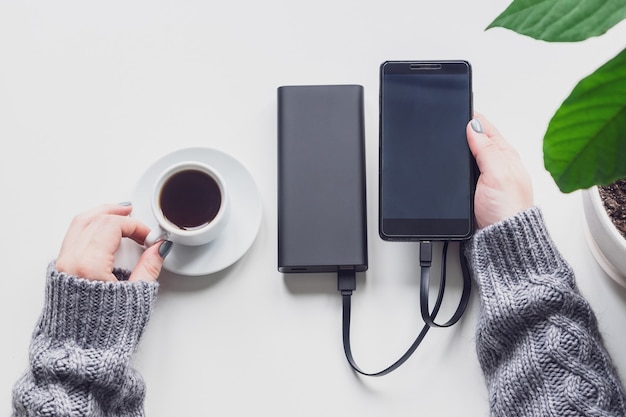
(504, 187)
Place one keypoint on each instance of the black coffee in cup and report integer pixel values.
(190, 199)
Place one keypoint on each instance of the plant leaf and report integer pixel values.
(561, 20)
(585, 143)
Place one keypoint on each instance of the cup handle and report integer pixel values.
(156, 235)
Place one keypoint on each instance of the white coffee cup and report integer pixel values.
(190, 204)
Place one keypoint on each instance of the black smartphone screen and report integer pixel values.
(426, 168)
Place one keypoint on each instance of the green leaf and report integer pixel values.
(561, 20)
(585, 143)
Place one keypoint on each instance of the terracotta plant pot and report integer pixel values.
(607, 245)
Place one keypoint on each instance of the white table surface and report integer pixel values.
(91, 93)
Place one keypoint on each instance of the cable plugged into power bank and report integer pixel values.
(346, 281)
(346, 284)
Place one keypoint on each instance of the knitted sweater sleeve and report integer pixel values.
(537, 340)
(81, 348)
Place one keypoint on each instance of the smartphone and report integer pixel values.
(426, 170)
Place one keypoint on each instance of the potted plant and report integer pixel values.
(584, 147)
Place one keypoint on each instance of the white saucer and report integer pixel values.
(243, 224)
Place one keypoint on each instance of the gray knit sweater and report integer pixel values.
(81, 348)
(537, 341)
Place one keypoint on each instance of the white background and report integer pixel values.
(92, 93)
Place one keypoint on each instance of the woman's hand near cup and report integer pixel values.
(504, 187)
(88, 250)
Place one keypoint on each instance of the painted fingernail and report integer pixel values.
(165, 248)
(125, 203)
(477, 126)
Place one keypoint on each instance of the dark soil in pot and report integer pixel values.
(614, 199)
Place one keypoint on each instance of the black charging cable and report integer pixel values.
(425, 261)
(346, 284)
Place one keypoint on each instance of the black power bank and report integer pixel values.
(322, 217)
